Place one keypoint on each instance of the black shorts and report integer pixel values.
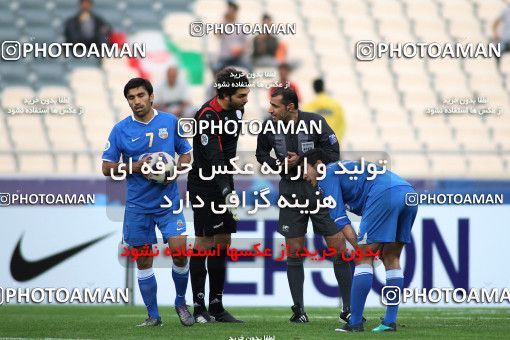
(292, 222)
(206, 222)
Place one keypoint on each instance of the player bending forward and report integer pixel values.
(386, 223)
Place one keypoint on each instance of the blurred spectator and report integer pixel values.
(210, 90)
(87, 27)
(284, 71)
(328, 107)
(173, 94)
(502, 35)
(232, 46)
(265, 46)
(281, 52)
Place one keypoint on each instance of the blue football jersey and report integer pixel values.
(133, 139)
(352, 194)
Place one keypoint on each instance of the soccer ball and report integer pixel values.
(169, 167)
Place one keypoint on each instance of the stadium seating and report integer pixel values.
(384, 100)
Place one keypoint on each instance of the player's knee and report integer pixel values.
(294, 245)
(144, 263)
(391, 257)
(176, 242)
(180, 261)
(222, 240)
(336, 241)
(204, 242)
(391, 261)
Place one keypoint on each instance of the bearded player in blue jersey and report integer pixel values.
(386, 223)
(148, 131)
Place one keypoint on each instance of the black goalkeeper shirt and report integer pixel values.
(212, 147)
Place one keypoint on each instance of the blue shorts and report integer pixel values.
(139, 229)
(386, 218)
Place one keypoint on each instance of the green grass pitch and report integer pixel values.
(111, 322)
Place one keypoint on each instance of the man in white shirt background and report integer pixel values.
(172, 93)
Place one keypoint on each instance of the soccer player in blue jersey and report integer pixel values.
(147, 131)
(386, 223)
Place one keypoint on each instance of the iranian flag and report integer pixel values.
(162, 52)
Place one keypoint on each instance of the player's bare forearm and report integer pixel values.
(110, 168)
(183, 159)
(350, 235)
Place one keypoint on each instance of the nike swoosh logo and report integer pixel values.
(23, 270)
(179, 229)
(217, 225)
(135, 139)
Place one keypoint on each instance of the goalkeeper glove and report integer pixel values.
(232, 200)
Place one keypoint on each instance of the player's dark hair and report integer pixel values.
(288, 96)
(314, 155)
(133, 83)
(233, 4)
(318, 85)
(230, 79)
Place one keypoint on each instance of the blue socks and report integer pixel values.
(180, 276)
(394, 277)
(149, 289)
(361, 285)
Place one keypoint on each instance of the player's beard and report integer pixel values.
(234, 106)
(142, 113)
(286, 117)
